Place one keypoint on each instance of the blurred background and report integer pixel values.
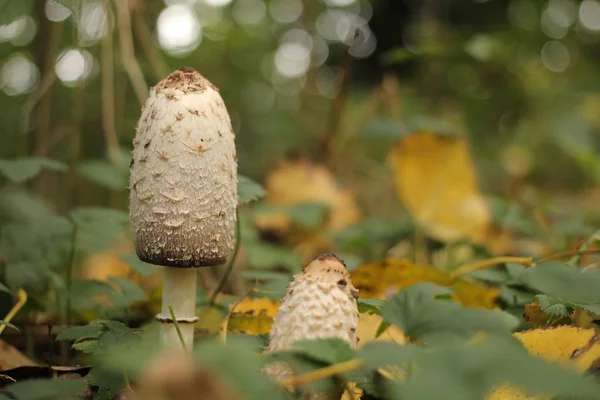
(440, 131)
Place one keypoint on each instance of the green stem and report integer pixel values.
(177, 327)
(586, 245)
(225, 276)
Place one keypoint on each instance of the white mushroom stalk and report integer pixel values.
(183, 190)
(319, 303)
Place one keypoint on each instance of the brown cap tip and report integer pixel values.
(186, 79)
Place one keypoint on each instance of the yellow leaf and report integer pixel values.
(435, 180)
(368, 326)
(569, 345)
(566, 344)
(253, 316)
(296, 182)
(381, 279)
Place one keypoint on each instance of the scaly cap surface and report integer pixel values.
(183, 183)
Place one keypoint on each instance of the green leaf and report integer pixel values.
(370, 306)
(20, 206)
(309, 215)
(267, 256)
(11, 10)
(4, 288)
(138, 265)
(381, 354)
(87, 346)
(564, 283)
(459, 371)
(244, 374)
(249, 190)
(130, 293)
(552, 306)
(385, 128)
(272, 283)
(90, 331)
(9, 325)
(593, 308)
(98, 228)
(84, 294)
(105, 174)
(109, 383)
(420, 316)
(329, 351)
(47, 389)
(23, 169)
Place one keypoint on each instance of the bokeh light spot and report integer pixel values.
(179, 30)
(555, 56)
(19, 75)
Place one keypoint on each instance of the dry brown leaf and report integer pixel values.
(10, 357)
(381, 279)
(538, 318)
(296, 182)
(175, 376)
(435, 179)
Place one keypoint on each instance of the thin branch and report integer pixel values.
(225, 324)
(155, 58)
(586, 245)
(337, 107)
(479, 265)
(177, 328)
(567, 253)
(323, 373)
(108, 97)
(127, 52)
(22, 295)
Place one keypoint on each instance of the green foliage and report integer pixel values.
(23, 169)
(328, 351)
(309, 215)
(91, 295)
(137, 265)
(98, 228)
(9, 325)
(244, 374)
(470, 370)
(105, 174)
(564, 288)
(268, 256)
(421, 316)
(101, 339)
(249, 190)
(11, 10)
(370, 306)
(47, 389)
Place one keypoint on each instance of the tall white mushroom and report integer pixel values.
(320, 303)
(183, 190)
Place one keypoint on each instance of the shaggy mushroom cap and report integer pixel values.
(183, 185)
(319, 303)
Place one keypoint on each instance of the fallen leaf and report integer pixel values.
(10, 357)
(381, 279)
(253, 316)
(568, 345)
(291, 188)
(435, 179)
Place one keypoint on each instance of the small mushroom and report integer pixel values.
(319, 303)
(183, 190)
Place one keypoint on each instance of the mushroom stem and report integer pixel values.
(179, 292)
